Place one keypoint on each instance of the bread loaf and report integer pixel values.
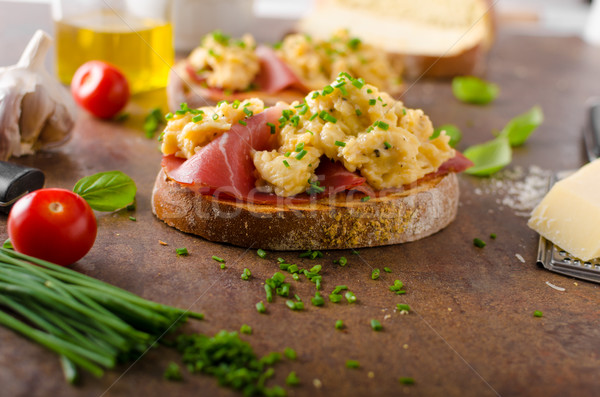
(434, 38)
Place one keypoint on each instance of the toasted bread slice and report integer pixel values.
(342, 222)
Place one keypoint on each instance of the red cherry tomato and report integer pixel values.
(100, 88)
(56, 225)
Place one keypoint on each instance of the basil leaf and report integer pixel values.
(472, 89)
(451, 130)
(152, 121)
(106, 191)
(519, 128)
(489, 157)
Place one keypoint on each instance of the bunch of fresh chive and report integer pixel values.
(89, 323)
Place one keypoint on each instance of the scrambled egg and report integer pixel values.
(226, 63)
(188, 130)
(317, 62)
(348, 121)
(352, 122)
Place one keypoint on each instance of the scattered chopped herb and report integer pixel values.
(365, 198)
(369, 91)
(317, 300)
(350, 297)
(339, 288)
(292, 379)
(295, 276)
(286, 163)
(406, 380)
(339, 324)
(375, 274)
(242, 122)
(387, 145)
(223, 266)
(295, 305)
(216, 258)
(478, 243)
(169, 116)
(283, 290)
(358, 83)
(272, 126)
(290, 353)
(261, 253)
(314, 188)
(402, 307)
(352, 364)
(372, 102)
(335, 298)
(246, 274)
(293, 269)
(300, 155)
(397, 287)
(327, 117)
(387, 270)
(338, 143)
(538, 313)
(260, 307)
(383, 126)
(132, 218)
(246, 329)
(358, 112)
(342, 261)
(152, 121)
(215, 116)
(182, 251)
(269, 293)
(354, 43)
(493, 236)
(327, 90)
(172, 372)
(313, 116)
(376, 325)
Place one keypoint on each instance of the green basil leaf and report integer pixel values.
(451, 130)
(472, 89)
(519, 128)
(152, 121)
(489, 157)
(106, 191)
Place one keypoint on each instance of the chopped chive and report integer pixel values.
(335, 298)
(387, 145)
(295, 276)
(284, 290)
(242, 122)
(376, 325)
(169, 116)
(358, 112)
(297, 298)
(172, 372)
(327, 90)
(339, 288)
(290, 353)
(272, 126)
(261, 253)
(402, 307)
(372, 102)
(375, 274)
(216, 258)
(182, 251)
(293, 269)
(295, 305)
(478, 243)
(284, 266)
(197, 118)
(317, 300)
(538, 313)
(269, 293)
(314, 116)
(369, 91)
(342, 261)
(366, 198)
(260, 307)
(493, 236)
(292, 379)
(327, 117)
(246, 329)
(286, 163)
(315, 94)
(223, 266)
(338, 143)
(406, 380)
(303, 110)
(387, 270)
(358, 83)
(300, 146)
(235, 104)
(132, 218)
(246, 274)
(215, 116)
(248, 112)
(339, 324)
(354, 43)
(301, 154)
(350, 297)
(287, 154)
(352, 364)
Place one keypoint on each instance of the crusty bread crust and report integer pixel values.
(343, 222)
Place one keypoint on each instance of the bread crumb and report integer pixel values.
(575, 284)
(387, 316)
(449, 309)
(371, 374)
(317, 383)
(405, 346)
(162, 242)
(520, 258)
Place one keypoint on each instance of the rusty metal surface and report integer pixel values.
(472, 331)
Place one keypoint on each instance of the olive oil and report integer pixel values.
(141, 48)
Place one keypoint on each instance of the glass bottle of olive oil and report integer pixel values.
(140, 47)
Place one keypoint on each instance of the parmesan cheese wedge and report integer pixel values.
(569, 215)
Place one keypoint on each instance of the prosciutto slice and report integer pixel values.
(274, 75)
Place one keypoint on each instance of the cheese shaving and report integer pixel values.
(561, 289)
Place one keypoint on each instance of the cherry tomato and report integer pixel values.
(56, 225)
(100, 88)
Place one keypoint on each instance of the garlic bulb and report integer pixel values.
(35, 109)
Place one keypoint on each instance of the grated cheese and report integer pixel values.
(519, 257)
(555, 286)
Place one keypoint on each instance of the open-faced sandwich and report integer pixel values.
(346, 167)
(223, 68)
